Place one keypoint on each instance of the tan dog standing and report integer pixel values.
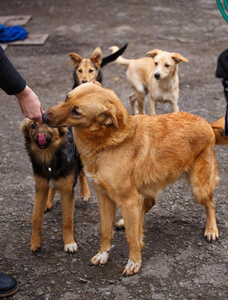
(130, 159)
(157, 76)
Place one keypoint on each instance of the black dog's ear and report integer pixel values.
(96, 57)
(24, 128)
(75, 59)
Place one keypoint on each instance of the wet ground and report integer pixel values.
(177, 262)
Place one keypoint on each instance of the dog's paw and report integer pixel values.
(100, 258)
(71, 248)
(120, 224)
(211, 235)
(35, 247)
(131, 268)
(48, 207)
(85, 197)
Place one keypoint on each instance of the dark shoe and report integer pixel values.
(8, 285)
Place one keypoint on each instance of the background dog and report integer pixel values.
(88, 69)
(56, 165)
(158, 77)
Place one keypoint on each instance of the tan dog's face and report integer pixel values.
(87, 69)
(165, 63)
(40, 135)
(87, 106)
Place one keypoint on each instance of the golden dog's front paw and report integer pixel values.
(131, 268)
(100, 258)
(71, 248)
(211, 235)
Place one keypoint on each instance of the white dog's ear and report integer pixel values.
(75, 59)
(96, 57)
(153, 53)
(178, 57)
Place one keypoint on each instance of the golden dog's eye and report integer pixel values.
(76, 111)
(79, 71)
(156, 63)
(167, 66)
(91, 70)
(33, 126)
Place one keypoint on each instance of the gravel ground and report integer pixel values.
(177, 262)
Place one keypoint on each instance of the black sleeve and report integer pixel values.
(10, 79)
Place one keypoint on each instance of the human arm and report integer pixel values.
(14, 84)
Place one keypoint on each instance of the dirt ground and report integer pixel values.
(177, 262)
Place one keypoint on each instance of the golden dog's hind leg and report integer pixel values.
(85, 190)
(133, 219)
(107, 209)
(40, 200)
(148, 203)
(51, 194)
(203, 179)
(67, 202)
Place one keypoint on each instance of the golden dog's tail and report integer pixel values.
(120, 60)
(218, 127)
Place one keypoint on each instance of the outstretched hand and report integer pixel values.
(30, 105)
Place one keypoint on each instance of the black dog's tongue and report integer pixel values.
(41, 140)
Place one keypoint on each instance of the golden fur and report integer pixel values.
(132, 158)
(157, 76)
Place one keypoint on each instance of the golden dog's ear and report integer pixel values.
(75, 59)
(96, 57)
(97, 83)
(178, 57)
(24, 128)
(153, 53)
(107, 118)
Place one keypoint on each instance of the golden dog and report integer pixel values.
(157, 76)
(130, 159)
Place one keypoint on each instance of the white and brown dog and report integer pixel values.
(157, 76)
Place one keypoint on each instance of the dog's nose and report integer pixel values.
(157, 75)
(45, 118)
(84, 81)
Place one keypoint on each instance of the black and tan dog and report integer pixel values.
(56, 165)
(89, 69)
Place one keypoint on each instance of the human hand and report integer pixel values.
(30, 105)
